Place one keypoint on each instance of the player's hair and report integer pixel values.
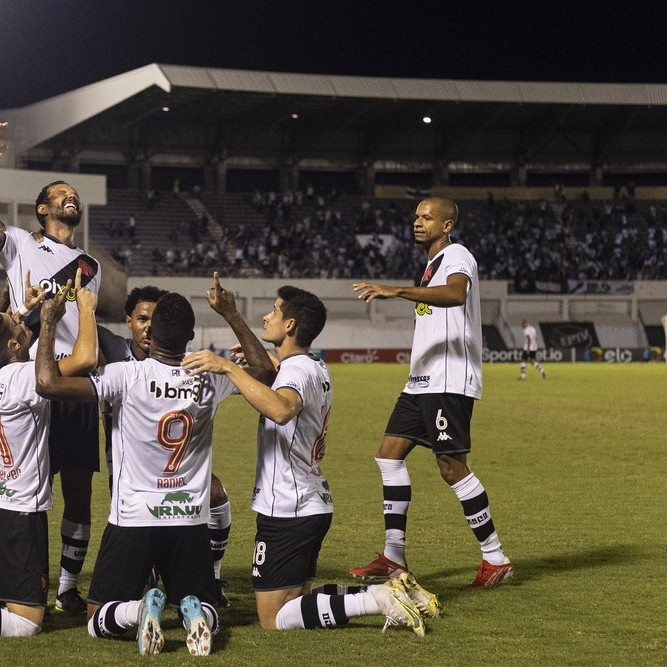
(307, 311)
(173, 322)
(43, 198)
(148, 293)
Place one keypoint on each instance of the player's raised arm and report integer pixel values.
(85, 351)
(453, 293)
(49, 381)
(280, 406)
(259, 363)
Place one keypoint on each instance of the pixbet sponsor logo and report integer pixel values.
(52, 287)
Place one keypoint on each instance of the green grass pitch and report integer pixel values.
(575, 467)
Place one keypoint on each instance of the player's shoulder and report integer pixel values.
(16, 234)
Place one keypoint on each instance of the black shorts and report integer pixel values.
(438, 421)
(74, 437)
(286, 550)
(24, 557)
(529, 355)
(182, 555)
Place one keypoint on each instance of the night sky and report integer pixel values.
(51, 46)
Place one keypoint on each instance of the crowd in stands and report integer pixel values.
(325, 235)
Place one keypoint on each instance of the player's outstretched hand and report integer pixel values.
(54, 309)
(370, 291)
(85, 299)
(220, 299)
(205, 360)
(236, 354)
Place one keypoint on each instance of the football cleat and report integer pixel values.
(149, 633)
(489, 576)
(70, 602)
(394, 602)
(427, 602)
(380, 568)
(197, 632)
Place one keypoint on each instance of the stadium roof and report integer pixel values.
(219, 113)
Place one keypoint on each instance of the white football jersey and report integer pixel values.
(530, 338)
(288, 480)
(161, 440)
(51, 264)
(25, 476)
(446, 352)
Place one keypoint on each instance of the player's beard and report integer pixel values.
(70, 219)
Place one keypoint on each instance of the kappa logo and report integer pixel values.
(45, 248)
(441, 424)
(255, 573)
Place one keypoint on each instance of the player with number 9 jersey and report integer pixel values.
(161, 438)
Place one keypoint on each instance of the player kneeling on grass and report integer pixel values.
(162, 432)
(25, 489)
(291, 496)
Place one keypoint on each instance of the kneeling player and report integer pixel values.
(163, 429)
(25, 486)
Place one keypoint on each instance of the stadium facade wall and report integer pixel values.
(619, 318)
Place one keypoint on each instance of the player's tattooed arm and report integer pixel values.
(84, 354)
(50, 383)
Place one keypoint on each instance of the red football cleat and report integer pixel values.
(380, 568)
(489, 576)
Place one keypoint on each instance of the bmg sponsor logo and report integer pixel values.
(188, 389)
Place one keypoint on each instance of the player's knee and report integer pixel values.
(218, 492)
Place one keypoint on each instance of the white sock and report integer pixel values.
(395, 474)
(362, 604)
(13, 625)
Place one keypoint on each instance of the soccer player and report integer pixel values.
(74, 431)
(435, 408)
(530, 351)
(139, 307)
(291, 495)
(25, 481)
(159, 511)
